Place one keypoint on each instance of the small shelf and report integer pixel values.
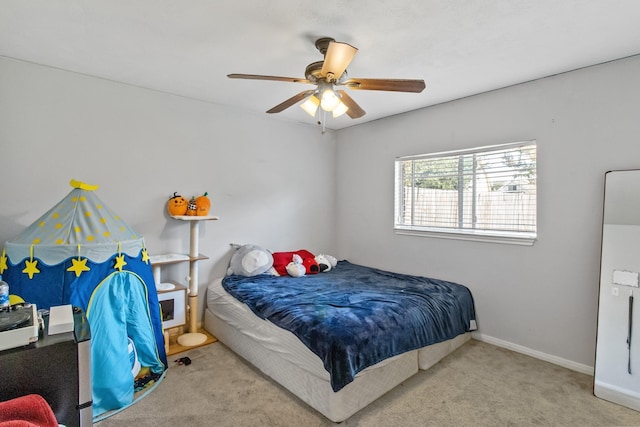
(195, 218)
(168, 259)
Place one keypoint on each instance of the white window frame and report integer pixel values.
(494, 236)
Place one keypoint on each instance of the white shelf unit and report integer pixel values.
(193, 258)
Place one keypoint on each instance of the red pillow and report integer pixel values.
(282, 259)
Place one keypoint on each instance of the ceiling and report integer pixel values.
(186, 48)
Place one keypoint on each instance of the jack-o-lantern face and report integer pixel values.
(203, 204)
(177, 205)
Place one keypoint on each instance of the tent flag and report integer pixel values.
(82, 253)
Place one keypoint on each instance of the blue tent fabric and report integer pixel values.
(82, 253)
(118, 304)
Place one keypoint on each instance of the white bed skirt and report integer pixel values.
(280, 355)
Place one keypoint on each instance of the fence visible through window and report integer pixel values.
(486, 189)
(494, 211)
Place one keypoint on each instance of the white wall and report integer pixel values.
(271, 182)
(280, 184)
(541, 298)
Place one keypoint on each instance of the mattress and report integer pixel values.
(282, 356)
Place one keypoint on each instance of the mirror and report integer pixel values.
(617, 365)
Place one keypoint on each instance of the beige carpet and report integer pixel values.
(478, 385)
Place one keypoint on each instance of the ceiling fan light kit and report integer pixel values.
(329, 100)
(339, 110)
(311, 105)
(327, 74)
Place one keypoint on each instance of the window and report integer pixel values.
(486, 193)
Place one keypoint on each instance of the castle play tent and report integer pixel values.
(82, 253)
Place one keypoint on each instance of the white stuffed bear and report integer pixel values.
(326, 262)
(295, 267)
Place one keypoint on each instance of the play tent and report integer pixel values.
(82, 253)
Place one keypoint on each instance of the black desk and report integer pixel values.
(57, 367)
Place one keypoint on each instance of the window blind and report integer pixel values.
(486, 189)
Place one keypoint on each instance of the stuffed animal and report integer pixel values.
(282, 259)
(249, 260)
(203, 205)
(295, 268)
(311, 266)
(192, 208)
(177, 205)
(326, 262)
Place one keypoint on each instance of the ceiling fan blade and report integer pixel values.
(337, 59)
(394, 85)
(291, 101)
(354, 111)
(275, 78)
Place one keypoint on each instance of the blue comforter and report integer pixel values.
(353, 316)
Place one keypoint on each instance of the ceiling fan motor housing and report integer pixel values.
(312, 72)
(322, 44)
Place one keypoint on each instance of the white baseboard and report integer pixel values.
(569, 364)
(618, 395)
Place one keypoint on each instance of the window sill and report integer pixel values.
(521, 239)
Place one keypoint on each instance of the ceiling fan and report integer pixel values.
(328, 74)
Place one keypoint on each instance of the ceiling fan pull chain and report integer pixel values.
(324, 116)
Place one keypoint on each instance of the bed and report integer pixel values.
(395, 325)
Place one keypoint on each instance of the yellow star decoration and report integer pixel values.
(79, 265)
(120, 262)
(3, 262)
(31, 268)
(145, 257)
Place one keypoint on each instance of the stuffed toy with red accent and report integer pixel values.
(326, 262)
(295, 267)
(311, 265)
(282, 259)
